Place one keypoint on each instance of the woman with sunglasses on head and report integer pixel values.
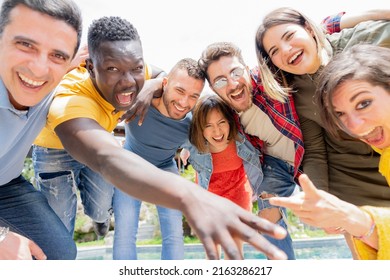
(353, 96)
(292, 51)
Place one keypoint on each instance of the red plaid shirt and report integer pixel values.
(283, 116)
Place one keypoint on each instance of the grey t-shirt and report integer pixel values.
(159, 137)
(18, 130)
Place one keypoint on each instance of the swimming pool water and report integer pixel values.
(313, 248)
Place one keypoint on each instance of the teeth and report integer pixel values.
(179, 108)
(236, 94)
(29, 81)
(219, 138)
(294, 57)
(127, 93)
(366, 133)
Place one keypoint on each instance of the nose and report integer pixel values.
(285, 48)
(183, 101)
(127, 79)
(39, 67)
(232, 84)
(354, 123)
(216, 130)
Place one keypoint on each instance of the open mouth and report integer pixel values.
(219, 139)
(374, 137)
(237, 95)
(179, 108)
(27, 82)
(296, 58)
(124, 98)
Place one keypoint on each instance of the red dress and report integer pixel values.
(229, 179)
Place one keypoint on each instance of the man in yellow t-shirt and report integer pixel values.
(90, 94)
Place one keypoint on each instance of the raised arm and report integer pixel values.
(337, 22)
(349, 20)
(214, 219)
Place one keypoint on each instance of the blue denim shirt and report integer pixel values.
(202, 163)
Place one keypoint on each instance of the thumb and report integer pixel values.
(307, 185)
(36, 251)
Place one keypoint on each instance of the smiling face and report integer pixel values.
(35, 53)
(292, 48)
(216, 131)
(363, 110)
(181, 92)
(238, 91)
(118, 72)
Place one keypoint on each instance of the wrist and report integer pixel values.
(360, 225)
(368, 231)
(3, 233)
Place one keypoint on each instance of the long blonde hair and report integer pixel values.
(276, 82)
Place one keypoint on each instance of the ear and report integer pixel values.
(90, 68)
(164, 82)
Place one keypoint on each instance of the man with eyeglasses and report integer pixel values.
(265, 124)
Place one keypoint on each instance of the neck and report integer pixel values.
(158, 104)
(219, 149)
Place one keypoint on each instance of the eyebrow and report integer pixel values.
(357, 95)
(26, 39)
(222, 76)
(284, 35)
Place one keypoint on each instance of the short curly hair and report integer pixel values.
(110, 29)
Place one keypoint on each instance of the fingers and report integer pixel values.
(133, 112)
(230, 247)
(307, 185)
(297, 202)
(36, 251)
(264, 226)
(271, 251)
(210, 248)
(292, 202)
(141, 118)
(249, 233)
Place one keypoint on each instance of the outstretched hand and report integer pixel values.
(18, 247)
(313, 207)
(217, 221)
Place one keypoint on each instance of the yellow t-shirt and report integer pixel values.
(381, 216)
(384, 162)
(76, 97)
